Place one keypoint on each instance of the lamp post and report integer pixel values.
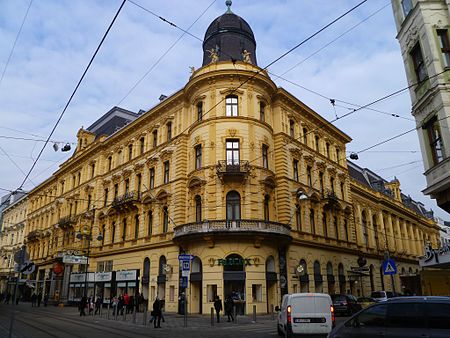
(86, 234)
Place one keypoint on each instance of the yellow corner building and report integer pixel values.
(234, 171)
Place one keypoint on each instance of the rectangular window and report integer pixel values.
(265, 159)
(343, 190)
(127, 186)
(262, 112)
(445, 46)
(346, 230)
(109, 163)
(89, 201)
(256, 293)
(139, 183)
(198, 156)
(418, 63)
(327, 149)
(113, 232)
(309, 173)
(321, 183)
(295, 167)
(79, 178)
(136, 226)
(119, 158)
(165, 219)
(169, 131)
(231, 104)
(150, 223)
(124, 229)
(199, 111)
(142, 145)
(336, 227)
(116, 191)
(130, 152)
(232, 152)
(338, 156)
(407, 7)
(92, 170)
(166, 172)
(152, 178)
(305, 136)
(298, 217)
(291, 128)
(211, 292)
(312, 221)
(155, 138)
(332, 184)
(316, 139)
(435, 139)
(325, 224)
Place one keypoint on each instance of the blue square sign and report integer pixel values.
(389, 267)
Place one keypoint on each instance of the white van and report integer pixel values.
(305, 314)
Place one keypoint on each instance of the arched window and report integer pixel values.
(146, 269)
(233, 206)
(304, 277)
(196, 265)
(231, 104)
(341, 278)
(266, 208)
(270, 264)
(234, 262)
(330, 279)
(198, 208)
(318, 280)
(162, 265)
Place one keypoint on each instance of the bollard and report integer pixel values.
(272, 311)
(212, 316)
(134, 315)
(145, 316)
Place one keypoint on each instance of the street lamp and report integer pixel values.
(87, 235)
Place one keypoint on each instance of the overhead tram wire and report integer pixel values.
(33, 139)
(73, 93)
(15, 42)
(165, 53)
(335, 39)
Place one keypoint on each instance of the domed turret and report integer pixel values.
(229, 38)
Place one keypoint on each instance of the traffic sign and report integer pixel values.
(389, 267)
(27, 268)
(185, 257)
(184, 282)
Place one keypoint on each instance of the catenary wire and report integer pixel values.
(73, 93)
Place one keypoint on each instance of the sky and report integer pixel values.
(356, 60)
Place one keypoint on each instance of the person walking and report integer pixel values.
(33, 299)
(46, 299)
(120, 305)
(98, 304)
(229, 304)
(39, 299)
(126, 302)
(114, 304)
(83, 303)
(156, 313)
(218, 307)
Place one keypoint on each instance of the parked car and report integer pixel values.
(345, 304)
(410, 317)
(305, 314)
(366, 301)
(380, 296)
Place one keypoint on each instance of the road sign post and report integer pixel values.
(185, 264)
(390, 268)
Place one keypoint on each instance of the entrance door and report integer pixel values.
(234, 282)
(196, 278)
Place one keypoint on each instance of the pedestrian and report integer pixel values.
(46, 299)
(120, 305)
(156, 313)
(218, 307)
(39, 299)
(83, 304)
(33, 299)
(229, 304)
(130, 304)
(8, 297)
(114, 304)
(98, 304)
(126, 302)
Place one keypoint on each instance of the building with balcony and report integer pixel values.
(233, 170)
(423, 34)
(14, 222)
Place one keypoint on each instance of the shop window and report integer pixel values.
(231, 104)
(318, 280)
(211, 292)
(418, 63)
(256, 293)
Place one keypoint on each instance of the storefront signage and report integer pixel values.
(103, 276)
(234, 261)
(71, 259)
(126, 275)
(435, 256)
(77, 277)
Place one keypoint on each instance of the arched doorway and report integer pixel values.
(330, 279)
(234, 281)
(341, 277)
(271, 283)
(161, 280)
(196, 278)
(146, 278)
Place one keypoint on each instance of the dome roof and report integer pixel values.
(229, 35)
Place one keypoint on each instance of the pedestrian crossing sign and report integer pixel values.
(389, 267)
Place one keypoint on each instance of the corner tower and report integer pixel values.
(229, 38)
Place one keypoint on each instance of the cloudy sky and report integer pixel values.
(59, 37)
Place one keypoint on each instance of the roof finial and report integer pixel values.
(228, 4)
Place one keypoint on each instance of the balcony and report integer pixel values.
(236, 170)
(33, 235)
(330, 198)
(126, 201)
(238, 227)
(67, 222)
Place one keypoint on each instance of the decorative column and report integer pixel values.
(390, 234)
(398, 240)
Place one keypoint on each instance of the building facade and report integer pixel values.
(232, 170)
(14, 222)
(424, 41)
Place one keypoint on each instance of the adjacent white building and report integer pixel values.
(423, 34)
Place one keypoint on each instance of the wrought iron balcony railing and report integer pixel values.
(33, 235)
(127, 198)
(233, 168)
(236, 226)
(66, 222)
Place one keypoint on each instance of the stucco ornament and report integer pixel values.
(246, 56)
(213, 55)
(412, 37)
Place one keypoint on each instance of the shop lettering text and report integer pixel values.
(234, 261)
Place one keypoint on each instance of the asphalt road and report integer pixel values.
(43, 322)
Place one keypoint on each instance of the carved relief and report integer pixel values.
(232, 132)
(412, 37)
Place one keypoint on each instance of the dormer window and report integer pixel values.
(231, 103)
